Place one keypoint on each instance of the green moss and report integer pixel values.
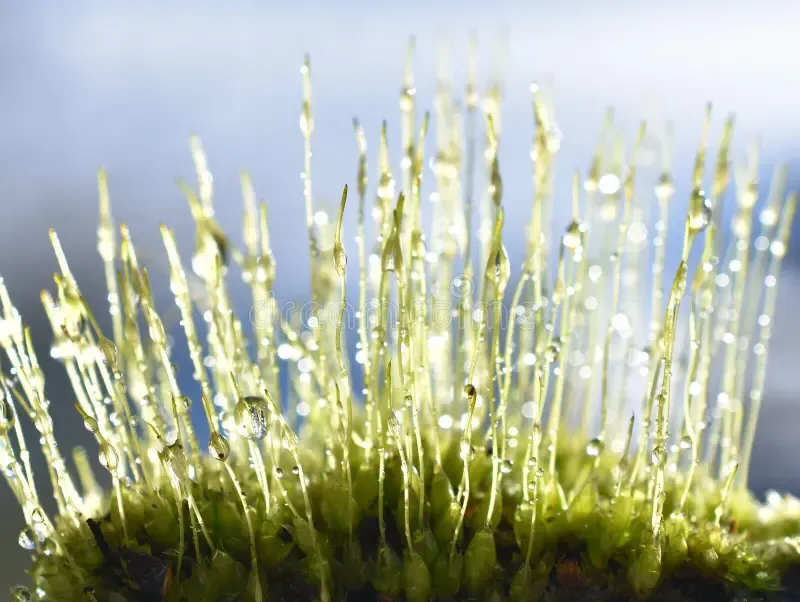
(597, 548)
(425, 498)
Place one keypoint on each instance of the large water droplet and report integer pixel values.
(250, 416)
(686, 442)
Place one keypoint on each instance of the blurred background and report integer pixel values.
(123, 85)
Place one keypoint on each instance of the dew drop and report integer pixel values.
(219, 447)
(20, 593)
(686, 442)
(540, 472)
(595, 447)
(466, 450)
(699, 211)
(25, 539)
(506, 466)
(108, 457)
(90, 424)
(279, 472)
(573, 237)
(250, 416)
(186, 401)
(552, 351)
(295, 470)
(110, 354)
(49, 547)
(659, 456)
(37, 516)
(176, 460)
(339, 259)
(664, 188)
(502, 270)
(6, 418)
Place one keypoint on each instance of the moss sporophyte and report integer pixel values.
(466, 458)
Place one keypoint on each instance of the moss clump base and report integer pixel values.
(586, 552)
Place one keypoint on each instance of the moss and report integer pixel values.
(428, 497)
(594, 550)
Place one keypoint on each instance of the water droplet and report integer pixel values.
(90, 424)
(506, 466)
(664, 188)
(540, 472)
(20, 593)
(466, 450)
(659, 456)
(6, 418)
(552, 351)
(250, 416)
(219, 447)
(109, 353)
(49, 547)
(37, 516)
(699, 211)
(595, 447)
(686, 442)
(25, 540)
(108, 457)
(502, 270)
(339, 259)
(175, 459)
(186, 401)
(295, 470)
(279, 472)
(573, 237)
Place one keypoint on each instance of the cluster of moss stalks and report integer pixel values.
(387, 505)
(591, 548)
